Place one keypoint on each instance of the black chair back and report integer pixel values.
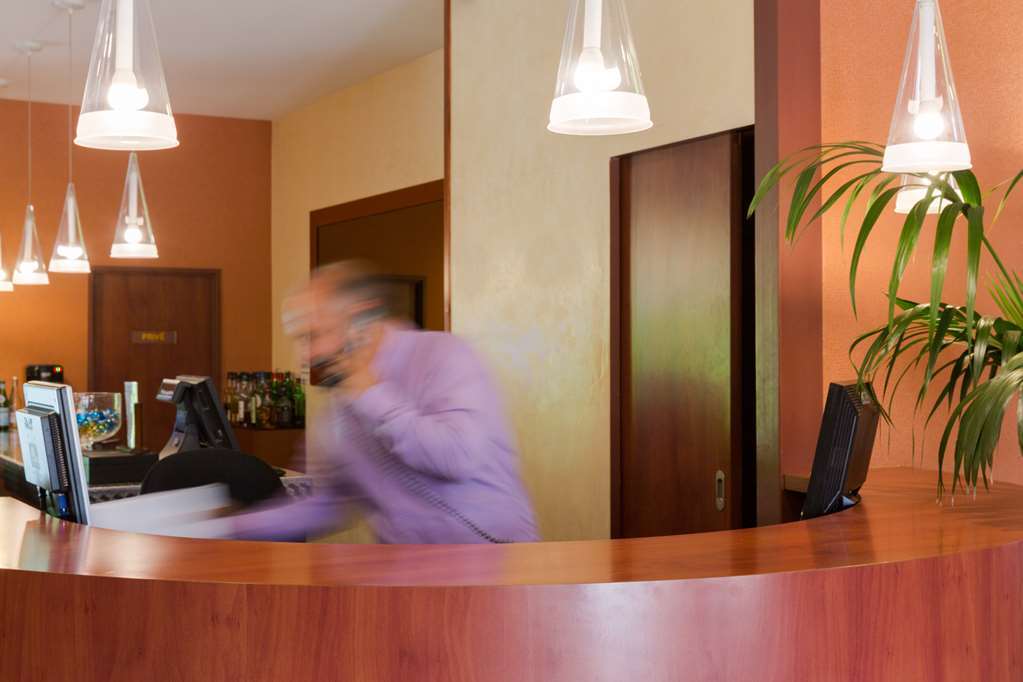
(249, 478)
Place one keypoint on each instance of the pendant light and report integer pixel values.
(126, 105)
(927, 133)
(599, 89)
(908, 197)
(30, 268)
(133, 236)
(69, 254)
(6, 285)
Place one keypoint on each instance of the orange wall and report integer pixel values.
(209, 200)
(862, 52)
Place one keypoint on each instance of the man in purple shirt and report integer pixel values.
(414, 439)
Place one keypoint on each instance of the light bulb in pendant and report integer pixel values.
(592, 75)
(125, 94)
(133, 235)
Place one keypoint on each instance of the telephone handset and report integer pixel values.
(356, 339)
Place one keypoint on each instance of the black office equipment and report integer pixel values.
(248, 478)
(200, 421)
(50, 373)
(843, 450)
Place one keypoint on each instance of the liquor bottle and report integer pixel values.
(5, 408)
(14, 401)
(284, 410)
(255, 401)
(266, 402)
(229, 397)
(298, 398)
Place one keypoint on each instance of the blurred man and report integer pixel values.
(414, 438)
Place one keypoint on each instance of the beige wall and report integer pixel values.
(530, 218)
(380, 135)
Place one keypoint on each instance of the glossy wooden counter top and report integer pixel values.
(897, 588)
(898, 520)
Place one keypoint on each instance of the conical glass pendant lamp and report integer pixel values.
(6, 285)
(30, 268)
(927, 133)
(133, 236)
(69, 254)
(916, 190)
(599, 89)
(126, 105)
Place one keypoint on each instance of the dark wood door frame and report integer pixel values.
(417, 195)
(215, 323)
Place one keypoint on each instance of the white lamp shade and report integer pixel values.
(910, 196)
(133, 234)
(927, 133)
(30, 267)
(126, 106)
(599, 89)
(69, 252)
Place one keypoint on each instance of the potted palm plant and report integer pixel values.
(969, 361)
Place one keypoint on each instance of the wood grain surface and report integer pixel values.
(898, 588)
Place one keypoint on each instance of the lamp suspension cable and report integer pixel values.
(70, 92)
(28, 81)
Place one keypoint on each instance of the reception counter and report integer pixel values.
(896, 588)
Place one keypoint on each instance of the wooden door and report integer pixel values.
(152, 324)
(682, 352)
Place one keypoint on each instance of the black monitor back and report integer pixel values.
(200, 421)
(844, 445)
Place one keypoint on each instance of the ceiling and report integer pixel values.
(256, 59)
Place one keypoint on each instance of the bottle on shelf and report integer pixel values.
(255, 401)
(5, 408)
(230, 389)
(284, 411)
(14, 401)
(298, 399)
(266, 402)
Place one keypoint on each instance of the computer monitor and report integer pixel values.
(844, 446)
(200, 421)
(52, 453)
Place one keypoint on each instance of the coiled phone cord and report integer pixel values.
(410, 479)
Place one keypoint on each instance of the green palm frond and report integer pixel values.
(971, 363)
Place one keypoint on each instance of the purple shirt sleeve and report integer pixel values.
(329, 508)
(444, 438)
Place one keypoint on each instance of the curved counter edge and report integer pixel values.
(896, 589)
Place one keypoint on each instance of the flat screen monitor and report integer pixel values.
(51, 451)
(200, 421)
(844, 446)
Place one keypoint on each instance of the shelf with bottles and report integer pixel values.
(265, 401)
(7, 406)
